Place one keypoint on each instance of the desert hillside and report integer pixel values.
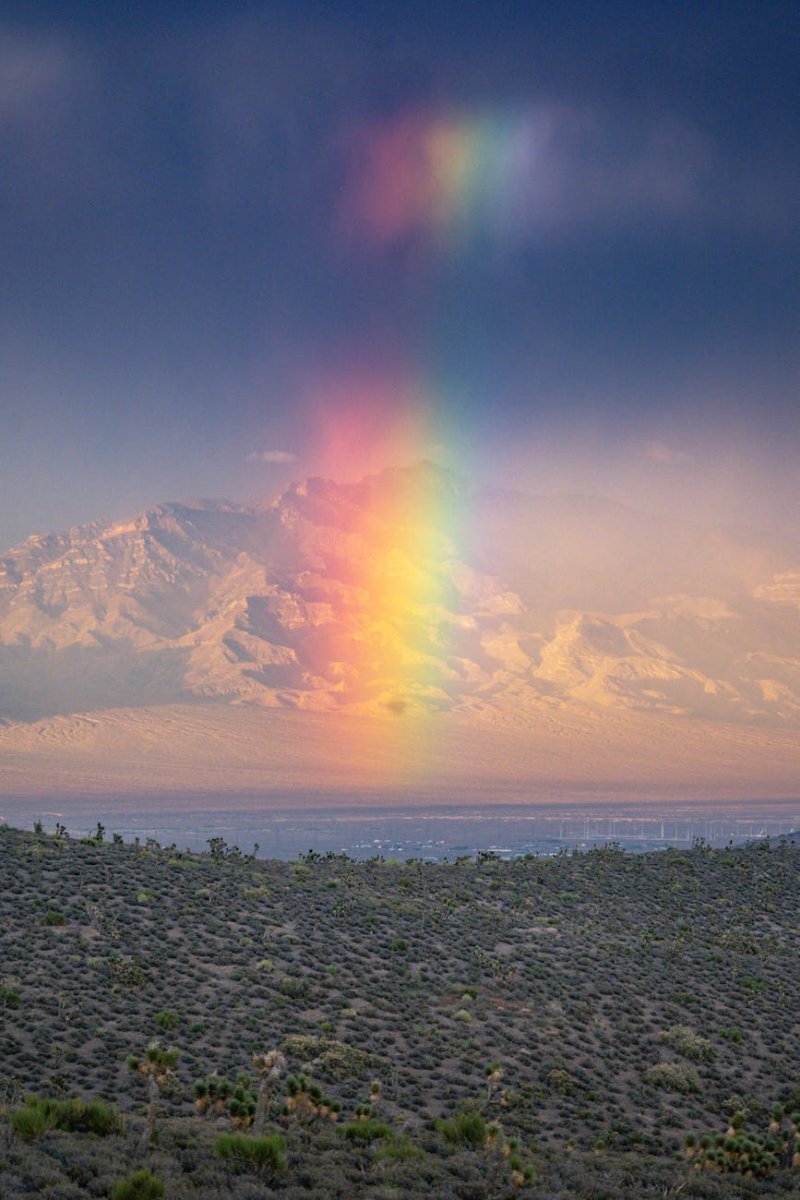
(544, 1027)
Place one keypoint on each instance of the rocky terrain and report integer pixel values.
(411, 594)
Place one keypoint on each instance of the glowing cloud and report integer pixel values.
(272, 456)
(662, 452)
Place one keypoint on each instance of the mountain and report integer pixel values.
(409, 593)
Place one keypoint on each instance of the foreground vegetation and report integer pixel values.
(596, 1025)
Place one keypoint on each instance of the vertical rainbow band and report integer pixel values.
(403, 527)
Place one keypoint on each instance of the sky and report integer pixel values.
(551, 246)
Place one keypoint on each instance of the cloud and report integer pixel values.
(509, 175)
(52, 122)
(255, 83)
(272, 456)
(33, 73)
(661, 452)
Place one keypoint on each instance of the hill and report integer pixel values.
(544, 1027)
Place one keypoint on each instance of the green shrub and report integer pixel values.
(686, 1042)
(561, 1081)
(128, 971)
(74, 1116)
(93, 1116)
(31, 1121)
(673, 1078)
(294, 988)
(53, 917)
(267, 1154)
(337, 1060)
(9, 997)
(167, 1019)
(141, 1185)
(397, 1149)
(367, 1131)
(464, 1129)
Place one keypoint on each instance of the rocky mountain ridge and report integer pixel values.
(513, 606)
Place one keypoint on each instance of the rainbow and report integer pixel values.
(398, 616)
(448, 177)
(397, 619)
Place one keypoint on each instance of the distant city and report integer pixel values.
(433, 835)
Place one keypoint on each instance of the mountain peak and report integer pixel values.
(408, 589)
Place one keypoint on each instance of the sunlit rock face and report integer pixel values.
(409, 591)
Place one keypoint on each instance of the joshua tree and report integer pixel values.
(157, 1068)
(494, 1076)
(750, 1154)
(270, 1067)
(212, 1094)
(243, 1104)
(306, 1101)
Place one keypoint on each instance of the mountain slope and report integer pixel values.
(392, 595)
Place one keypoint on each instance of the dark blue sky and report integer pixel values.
(211, 216)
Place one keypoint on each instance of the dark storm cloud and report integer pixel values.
(315, 98)
(190, 191)
(260, 109)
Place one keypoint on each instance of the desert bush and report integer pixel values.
(673, 1078)
(398, 1148)
(686, 1042)
(141, 1185)
(243, 1103)
(167, 1019)
(263, 1154)
(54, 918)
(336, 1060)
(366, 1131)
(32, 1121)
(464, 1129)
(127, 971)
(294, 988)
(75, 1116)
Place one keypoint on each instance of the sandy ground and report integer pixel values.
(556, 756)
